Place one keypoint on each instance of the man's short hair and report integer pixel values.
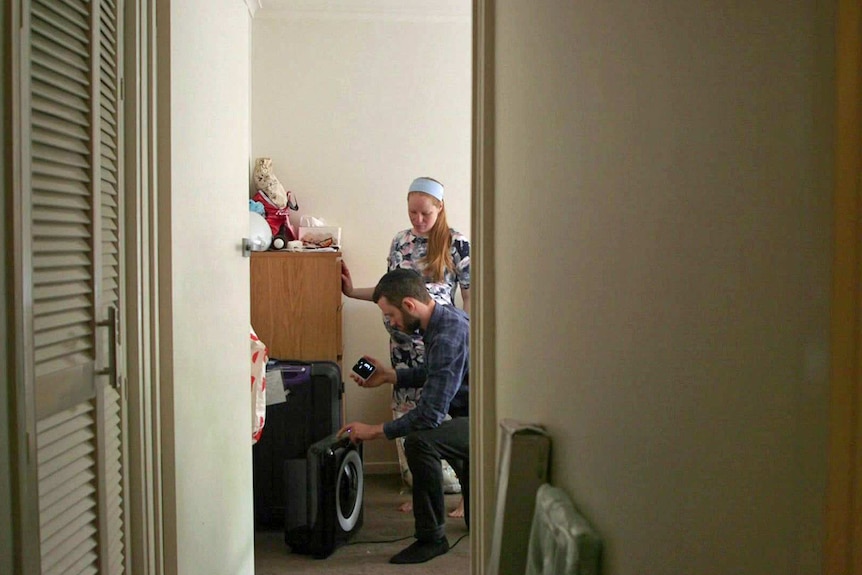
(399, 284)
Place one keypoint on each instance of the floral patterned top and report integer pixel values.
(407, 251)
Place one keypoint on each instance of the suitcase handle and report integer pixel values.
(291, 374)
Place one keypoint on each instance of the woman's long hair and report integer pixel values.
(439, 256)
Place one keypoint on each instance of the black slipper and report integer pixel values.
(420, 552)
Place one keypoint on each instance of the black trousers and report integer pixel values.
(424, 450)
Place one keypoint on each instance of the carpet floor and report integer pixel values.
(379, 538)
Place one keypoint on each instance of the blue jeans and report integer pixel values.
(424, 450)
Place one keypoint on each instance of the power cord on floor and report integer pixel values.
(457, 541)
(381, 541)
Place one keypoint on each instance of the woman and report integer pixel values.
(442, 255)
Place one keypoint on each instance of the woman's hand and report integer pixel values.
(346, 280)
(465, 300)
(348, 289)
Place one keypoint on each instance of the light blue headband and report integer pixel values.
(427, 186)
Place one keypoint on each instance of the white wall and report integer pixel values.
(669, 323)
(352, 102)
(208, 479)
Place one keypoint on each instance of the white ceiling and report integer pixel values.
(455, 10)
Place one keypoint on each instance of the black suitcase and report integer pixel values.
(311, 412)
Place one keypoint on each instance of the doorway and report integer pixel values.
(351, 104)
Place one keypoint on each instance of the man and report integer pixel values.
(404, 300)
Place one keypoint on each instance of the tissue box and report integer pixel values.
(320, 236)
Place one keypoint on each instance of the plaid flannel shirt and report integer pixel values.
(444, 378)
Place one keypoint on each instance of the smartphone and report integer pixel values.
(363, 368)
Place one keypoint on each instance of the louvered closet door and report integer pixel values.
(71, 80)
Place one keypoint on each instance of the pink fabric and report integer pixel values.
(259, 357)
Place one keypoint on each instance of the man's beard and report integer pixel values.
(411, 322)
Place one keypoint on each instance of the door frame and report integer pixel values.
(143, 287)
(483, 406)
(842, 552)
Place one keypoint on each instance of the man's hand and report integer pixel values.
(381, 375)
(358, 431)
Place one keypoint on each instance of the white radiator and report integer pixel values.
(562, 542)
(522, 466)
